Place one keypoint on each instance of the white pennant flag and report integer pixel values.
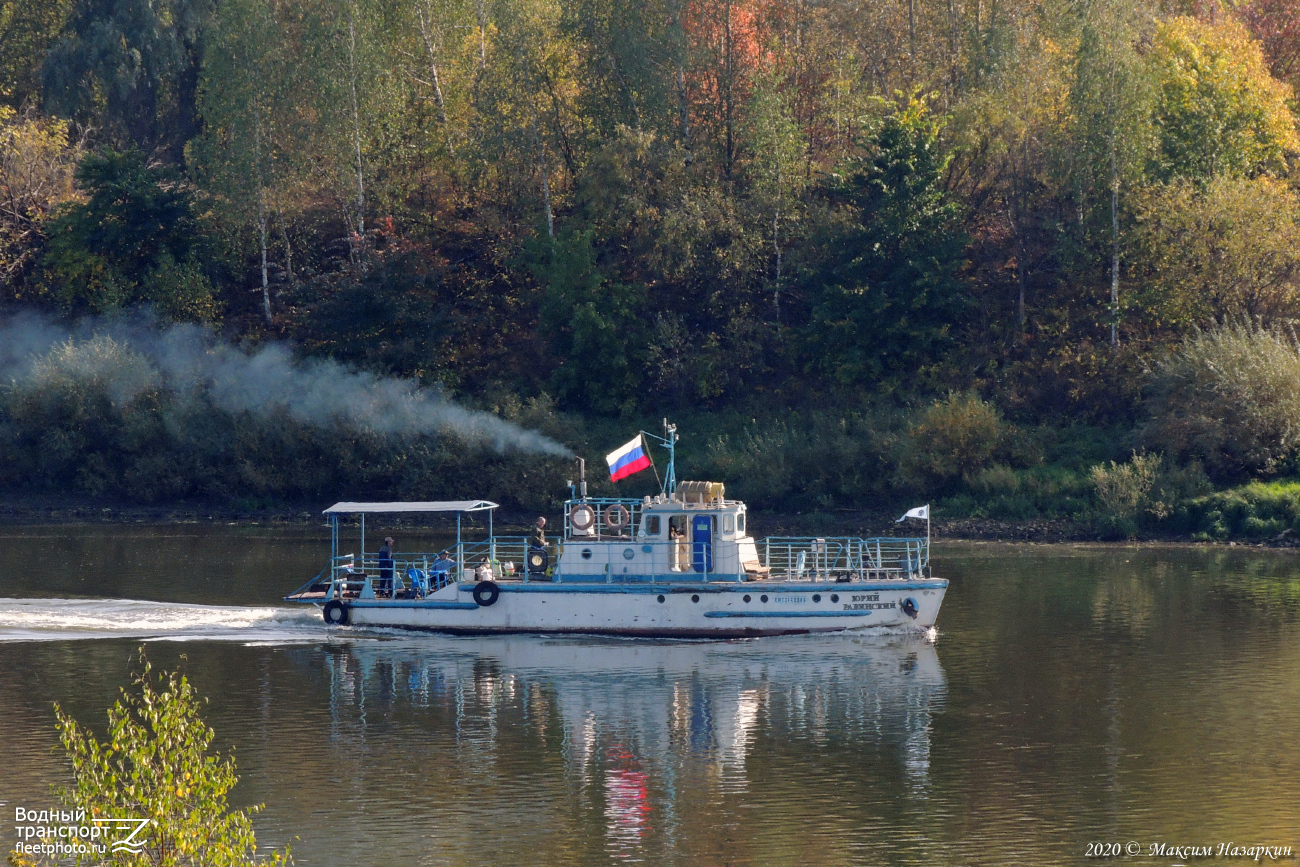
(922, 512)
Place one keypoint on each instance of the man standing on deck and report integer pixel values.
(386, 566)
(537, 545)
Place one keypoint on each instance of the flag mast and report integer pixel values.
(668, 441)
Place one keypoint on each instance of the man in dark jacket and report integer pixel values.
(537, 557)
(386, 566)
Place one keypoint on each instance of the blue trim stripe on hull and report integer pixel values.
(413, 603)
(652, 632)
(719, 587)
(766, 614)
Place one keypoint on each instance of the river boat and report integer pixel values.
(678, 564)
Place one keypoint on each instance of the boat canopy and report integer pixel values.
(445, 506)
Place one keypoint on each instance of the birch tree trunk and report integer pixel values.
(431, 46)
(546, 184)
(684, 106)
(1114, 245)
(356, 126)
(261, 208)
(480, 12)
(776, 246)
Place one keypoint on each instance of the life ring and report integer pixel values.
(537, 560)
(486, 593)
(617, 516)
(336, 613)
(582, 516)
(910, 608)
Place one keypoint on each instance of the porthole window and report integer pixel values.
(746, 597)
(817, 597)
(835, 597)
(661, 598)
(628, 553)
(586, 553)
(695, 598)
(763, 598)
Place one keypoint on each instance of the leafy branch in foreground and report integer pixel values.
(156, 765)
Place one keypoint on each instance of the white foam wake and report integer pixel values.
(64, 619)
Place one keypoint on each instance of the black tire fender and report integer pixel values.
(486, 593)
(910, 608)
(336, 613)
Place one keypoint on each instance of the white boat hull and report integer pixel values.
(706, 609)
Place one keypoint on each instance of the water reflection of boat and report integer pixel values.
(634, 716)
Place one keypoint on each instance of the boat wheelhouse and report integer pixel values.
(681, 563)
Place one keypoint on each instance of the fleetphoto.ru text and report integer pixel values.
(64, 833)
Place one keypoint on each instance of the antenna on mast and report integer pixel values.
(668, 441)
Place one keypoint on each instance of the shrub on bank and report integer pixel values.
(800, 462)
(1124, 491)
(950, 440)
(1257, 511)
(1010, 494)
(1230, 398)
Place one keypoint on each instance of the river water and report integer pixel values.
(1072, 696)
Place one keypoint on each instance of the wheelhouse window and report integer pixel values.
(740, 523)
(652, 526)
(728, 524)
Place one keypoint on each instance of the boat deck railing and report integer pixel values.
(783, 558)
(809, 558)
(415, 575)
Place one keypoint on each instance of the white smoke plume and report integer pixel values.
(189, 359)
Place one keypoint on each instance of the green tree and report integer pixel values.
(594, 328)
(779, 152)
(1224, 250)
(135, 240)
(244, 97)
(1110, 105)
(393, 317)
(27, 30)
(1219, 110)
(131, 67)
(37, 161)
(891, 295)
(156, 765)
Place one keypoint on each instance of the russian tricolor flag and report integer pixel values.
(627, 459)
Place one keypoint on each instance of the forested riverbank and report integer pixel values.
(1037, 262)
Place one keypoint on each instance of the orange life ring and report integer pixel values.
(617, 516)
(582, 517)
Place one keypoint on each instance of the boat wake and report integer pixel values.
(69, 619)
